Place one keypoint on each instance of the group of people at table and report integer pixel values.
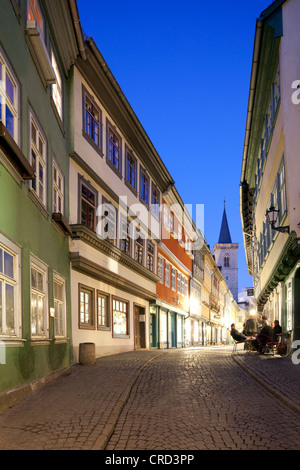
(258, 335)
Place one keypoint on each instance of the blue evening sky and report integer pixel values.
(185, 69)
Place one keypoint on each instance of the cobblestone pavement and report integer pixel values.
(186, 399)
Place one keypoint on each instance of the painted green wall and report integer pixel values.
(20, 218)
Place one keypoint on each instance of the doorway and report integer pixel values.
(139, 327)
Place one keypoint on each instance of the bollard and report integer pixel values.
(87, 354)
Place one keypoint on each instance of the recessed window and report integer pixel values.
(39, 299)
(226, 261)
(131, 169)
(125, 238)
(9, 98)
(57, 95)
(150, 256)
(58, 189)
(144, 186)
(114, 145)
(120, 317)
(139, 250)
(107, 224)
(86, 307)
(88, 204)
(155, 201)
(35, 14)
(92, 120)
(60, 324)
(102, 310)
(9, 288)
(38, 160)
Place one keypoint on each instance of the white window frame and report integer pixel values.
(57, 93)
(15, 251)
(167, 274)
(57, 188)
(5, 101)
(41, 159)
(43, 293)
(160, 269)
(62, 315)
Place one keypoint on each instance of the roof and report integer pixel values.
(224, 236)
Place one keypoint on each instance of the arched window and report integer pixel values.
(226, 261)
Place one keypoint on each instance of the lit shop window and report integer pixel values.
(120, 317)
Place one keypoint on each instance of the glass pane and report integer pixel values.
(10, 309)
(9, 121)
(33, 314)
(1, 260)
(41, 314)
(8, 265)
(10, 89)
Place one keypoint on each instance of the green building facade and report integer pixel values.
(38, 45)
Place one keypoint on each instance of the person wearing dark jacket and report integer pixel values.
(237, 336)
(277, 330)
(264, 335)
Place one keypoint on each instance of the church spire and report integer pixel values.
(224, 236)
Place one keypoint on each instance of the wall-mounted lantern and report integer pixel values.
(272, 216)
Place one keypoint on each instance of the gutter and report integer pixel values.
(254, 73)
(78, 29)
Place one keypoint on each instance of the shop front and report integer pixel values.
(166, 326)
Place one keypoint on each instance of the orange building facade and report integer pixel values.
(174, 269)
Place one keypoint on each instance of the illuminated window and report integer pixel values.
(59, 306)
(57, 87)
(35, 14)
(58, 189)
(39, 298)
(38, 160)
(120, 317)
(86, 307)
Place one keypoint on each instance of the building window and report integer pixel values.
(114, 149)
(139, 250)
(131, 169)
(39, 299)
(86, 308)
(9, 99)
(57, 95)
(88, 204)
(179, 282)
(281, 192)
(107, 225)
(35, 14)
(58, 189)
(160, 269)
(38, 160)
(167, 274)
(120, 317)
(144, 186)
(102, 310)
(125, 238)
(92, 120)
(9, 288)
(155, 202)
(150, 256)
(226, 261)
(60, 326)
(173, 278)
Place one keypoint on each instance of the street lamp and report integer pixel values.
(272, 215)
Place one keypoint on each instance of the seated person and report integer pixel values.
(237, 336)
(264, 335)
(277, 330)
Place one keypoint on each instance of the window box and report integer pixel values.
(39, 52)
(14, 154)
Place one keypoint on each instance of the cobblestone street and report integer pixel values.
(193, 399)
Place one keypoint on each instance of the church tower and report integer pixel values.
(226, 256)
